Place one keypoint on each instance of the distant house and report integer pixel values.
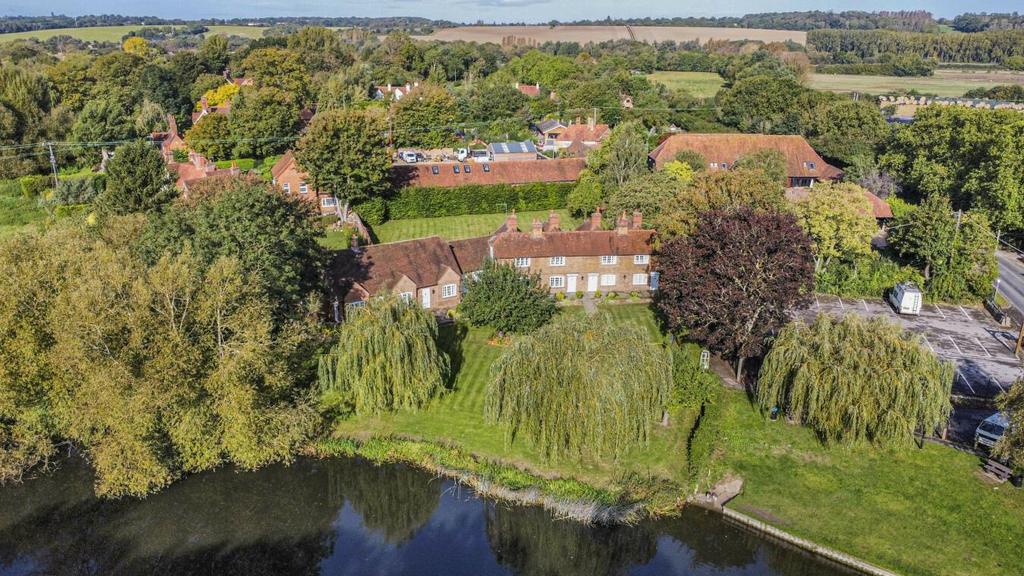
(528, 90)
(205, 108)
(198, 168)
(240, 82)
(578, 138)
(804, 166)
(450, 175)
(292, 181)
(394, 93)
(548, 132)
(511, 151)
(170, 140)
(432, 272)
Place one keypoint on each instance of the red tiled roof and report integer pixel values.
(381, 266)
(729, 148)
(510, 172)
(529, 90)
(471, 252)
(879, 208)
(282, 164)
(572, 243)
(583, 133)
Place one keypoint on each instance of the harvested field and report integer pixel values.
(952, 82)
(528, 35)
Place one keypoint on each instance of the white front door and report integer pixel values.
(592, 282)
(425, 297)
(570, 284)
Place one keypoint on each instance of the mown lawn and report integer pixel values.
(916, 511)
(458, 416)
(698, 84)
(459, 227)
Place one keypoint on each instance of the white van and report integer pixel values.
(410, 157)
(991, 430)
(906, 298)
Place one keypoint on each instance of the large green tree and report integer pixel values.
(263, 121)
(137, 181)
(101, 122)
(345, 153)
(622, 156)
(386, 358)
(211, 137)
(856, 379)
(425, 117)
(278, 68)
(1011, 403)
(582, 386)
(505, 299)
(840, 221)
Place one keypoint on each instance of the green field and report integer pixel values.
(698, 84)
(18, 214)
(943, 83)
(916, 511)
(458, 227)
(115, 33)
(458, 416)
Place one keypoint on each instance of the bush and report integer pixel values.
(597, 294)
(78, 190)
(373, 212)
(580, 295)
(634, 295)
(32, 186)
(67, 210)
(612, 295)
(180, 155)
(434, 202)
(559, 296)
(704, 439)
(866, 277)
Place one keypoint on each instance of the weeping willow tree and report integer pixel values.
(386, 359)
(580, 386)
(856, 379)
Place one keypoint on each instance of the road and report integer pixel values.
(1011, 277)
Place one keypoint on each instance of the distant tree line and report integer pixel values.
(911, 20)
(387, 24)
(985, 22)
(981, 48)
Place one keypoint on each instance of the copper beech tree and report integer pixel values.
(734, 281)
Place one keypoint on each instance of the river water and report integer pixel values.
(349, 517)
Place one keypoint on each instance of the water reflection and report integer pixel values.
(341, 517)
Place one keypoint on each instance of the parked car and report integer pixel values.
(410, 157)
(991, 430)
(906, 298)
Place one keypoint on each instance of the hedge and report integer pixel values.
(703, 441)
(476, 199)
(32, 186)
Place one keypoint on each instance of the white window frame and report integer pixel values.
(303, 188)
(522, 262)
(641, 259)
(556, 282)
(556, 261)
(609, 260)
(449, 290)
(329, 202)
(608, 280)
(640, 279)
(406, 296)
(287, 188)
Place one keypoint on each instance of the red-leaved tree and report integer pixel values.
(734, 281)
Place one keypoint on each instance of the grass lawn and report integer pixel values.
(458, 227)
(698, 84)
(458, 416)
(924, 511)
(945, 82)
(115, 33)
(336, 238)
(17, 214)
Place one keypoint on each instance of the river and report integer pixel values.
(349, 517)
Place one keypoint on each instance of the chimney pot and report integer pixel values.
(554, 221)
(638, 220)
(511, 222)
(622, 226)
(595, 220)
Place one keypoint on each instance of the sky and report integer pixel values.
(485, 10)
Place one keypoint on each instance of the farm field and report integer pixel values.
(699, 84)
(943, 83)
(115, 33)
(584, 34)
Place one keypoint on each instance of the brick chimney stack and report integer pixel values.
(537, 231)
(554, 221)
(511, 222)
(205, 105)
(638, 220)
(595, 220)
(622, 226)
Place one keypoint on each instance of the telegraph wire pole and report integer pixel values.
(53, 164)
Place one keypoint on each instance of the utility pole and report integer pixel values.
(53, 164)
(1020, 341)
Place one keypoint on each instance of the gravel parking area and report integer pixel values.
(982, 350)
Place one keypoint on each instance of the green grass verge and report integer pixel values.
(18, 214)
(698, 84)
(916, 511)
(458, 227)
(115, 33)
(457, 419)
(336, 238)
